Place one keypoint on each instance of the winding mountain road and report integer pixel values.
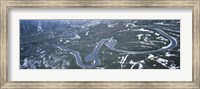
(92, 60)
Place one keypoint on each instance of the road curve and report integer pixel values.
(92, 60)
